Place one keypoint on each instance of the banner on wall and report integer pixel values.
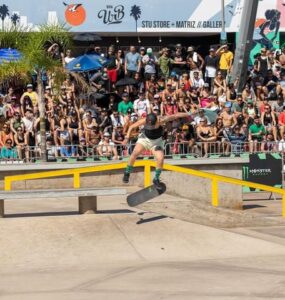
(264, 168)
(104, 16)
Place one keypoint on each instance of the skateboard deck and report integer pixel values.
(145, 194)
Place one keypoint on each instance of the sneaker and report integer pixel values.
(126, 177)
(156, 182)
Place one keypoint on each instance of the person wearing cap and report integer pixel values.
(132, 62)
(211, 66)
(226, 59)
(195, 62)
(149, 61)
(164, 63)
(142, 105)
(125, 104)
(32, 94)
(150, 139)
(106, 147)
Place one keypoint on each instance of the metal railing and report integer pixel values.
(215, 179)
(120, 152)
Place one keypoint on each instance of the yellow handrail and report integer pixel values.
(147, 177)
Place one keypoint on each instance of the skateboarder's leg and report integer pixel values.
(136, 152)
(159, 157)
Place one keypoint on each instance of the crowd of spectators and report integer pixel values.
(138, 82)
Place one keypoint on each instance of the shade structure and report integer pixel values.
(86, 62)
(9, 55)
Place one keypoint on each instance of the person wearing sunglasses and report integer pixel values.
(8, 151)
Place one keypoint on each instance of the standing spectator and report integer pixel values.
(113, 65)
(149, 62)
(195, 62)
(211, 64)
(132, 62)
(32, 94)
(142, 105)
(125, 104)
(263, 63)
(226, 59)
(164, 63)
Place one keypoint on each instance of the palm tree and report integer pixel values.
(15, 18)
(4, 12)
(136, 14)
(35, 57)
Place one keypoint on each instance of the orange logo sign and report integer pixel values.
(75, 14)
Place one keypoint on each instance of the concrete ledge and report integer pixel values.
(55, 193)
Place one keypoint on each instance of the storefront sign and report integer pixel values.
(143, 16)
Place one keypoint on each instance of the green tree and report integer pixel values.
(136, 14)
(15, 18)
(36, 58)
(4, 12)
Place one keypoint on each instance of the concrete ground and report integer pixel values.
(48, 251)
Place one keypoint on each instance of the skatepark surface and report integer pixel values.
(48, 251)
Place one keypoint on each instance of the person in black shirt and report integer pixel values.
(150, 139)
(271, 86)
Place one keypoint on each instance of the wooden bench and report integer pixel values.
(87, 197)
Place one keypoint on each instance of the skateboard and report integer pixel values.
(146, 194)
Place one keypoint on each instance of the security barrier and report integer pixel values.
(120, 152)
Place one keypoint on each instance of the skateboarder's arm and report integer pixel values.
(139, 123)
(175, 116)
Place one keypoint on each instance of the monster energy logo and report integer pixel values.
(255, 172)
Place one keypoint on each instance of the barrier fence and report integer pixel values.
(215, 179)
(120, 152)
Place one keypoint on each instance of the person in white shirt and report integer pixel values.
(68, 58)
(117, 119)
(142, 105)
(196, 81)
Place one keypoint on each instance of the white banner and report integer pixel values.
(125, 16)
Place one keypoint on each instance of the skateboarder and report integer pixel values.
(150, 139)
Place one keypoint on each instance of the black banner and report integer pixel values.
(264, 168)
